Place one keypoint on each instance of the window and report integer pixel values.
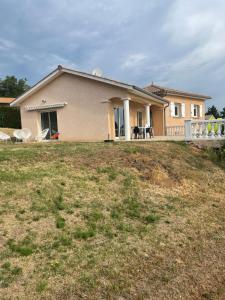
(196, 110)
(177, 109)
(139, 119)
(49, 120)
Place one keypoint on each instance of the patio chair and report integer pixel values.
(136, 132)
(22, 134)
(150, 132)
(25, 133)
(17, 135)
(42, 136)
(4, 137)
(141, 133)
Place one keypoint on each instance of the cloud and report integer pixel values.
(6, 45)
(134, 60)
(174, 42)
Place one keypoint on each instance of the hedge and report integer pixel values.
(10, 117)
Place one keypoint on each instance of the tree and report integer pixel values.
(213, 111)
(12, 87)
(222, 113)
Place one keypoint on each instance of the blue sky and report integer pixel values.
(176, 43)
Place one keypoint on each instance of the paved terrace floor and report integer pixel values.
(155, 139)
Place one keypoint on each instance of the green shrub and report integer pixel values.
(10, 117)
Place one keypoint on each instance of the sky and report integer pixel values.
(174, 43)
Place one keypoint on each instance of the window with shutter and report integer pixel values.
(196, 111)
(177, 110)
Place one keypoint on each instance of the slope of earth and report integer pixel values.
(111, 221)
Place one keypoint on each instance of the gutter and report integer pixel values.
(165, 107)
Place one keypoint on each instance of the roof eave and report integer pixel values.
(152, 96)
(200, 97)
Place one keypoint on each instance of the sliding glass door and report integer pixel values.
(49, 120)
(119, 121)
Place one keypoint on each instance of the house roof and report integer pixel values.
(163, 91)
(57, 72)
(6, 100)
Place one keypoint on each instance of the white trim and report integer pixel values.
(43, 107)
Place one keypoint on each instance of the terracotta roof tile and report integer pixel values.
(6, 100)
(163, 91)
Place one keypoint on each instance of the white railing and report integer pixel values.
(204, 129)
(175, 130)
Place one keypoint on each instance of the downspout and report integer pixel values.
(164, 115)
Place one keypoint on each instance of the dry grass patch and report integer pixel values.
(110, 221)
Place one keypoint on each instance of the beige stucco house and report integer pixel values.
(86, 107)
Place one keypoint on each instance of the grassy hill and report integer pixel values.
(111, 221)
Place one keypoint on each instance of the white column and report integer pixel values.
(147, 110)
(126, 106)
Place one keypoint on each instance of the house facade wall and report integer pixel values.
(179, 121)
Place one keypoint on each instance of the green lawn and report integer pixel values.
(111, 221)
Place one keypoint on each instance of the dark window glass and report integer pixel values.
(49, 120)
(139, 119)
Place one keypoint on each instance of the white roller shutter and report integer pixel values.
(172, 109)
(192, 110)
(183, 110)
(200, 111)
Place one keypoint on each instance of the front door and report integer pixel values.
(119, 121)
(49, 120)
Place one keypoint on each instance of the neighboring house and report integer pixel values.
(86, 107)
(182, 105)
(5, 101)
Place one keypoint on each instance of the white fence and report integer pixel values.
(204, 129)
(175, 130)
